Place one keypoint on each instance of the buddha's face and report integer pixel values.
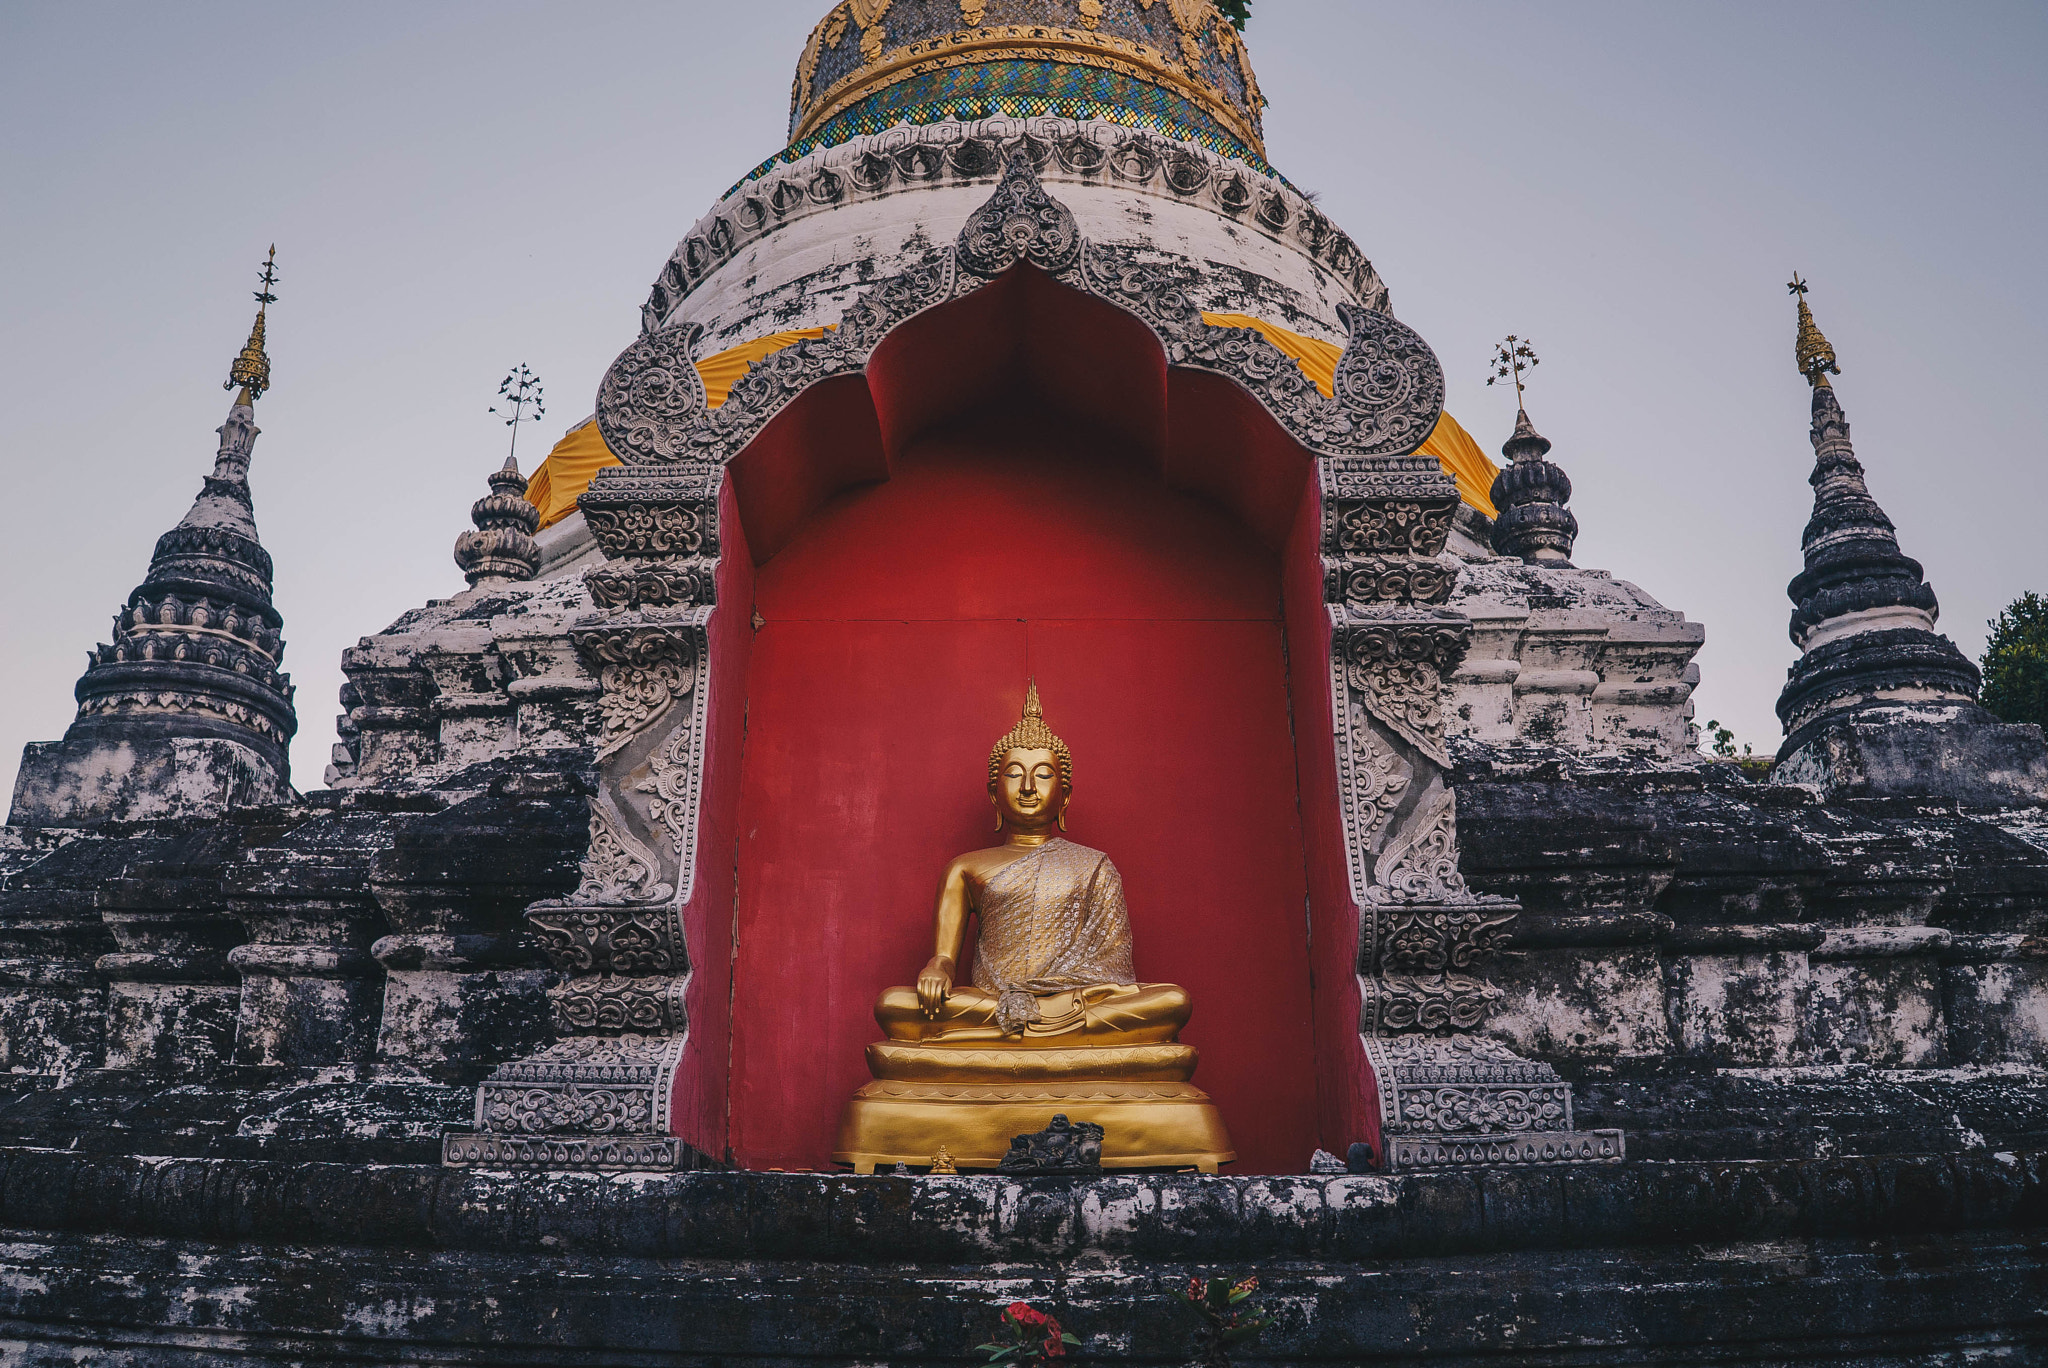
(1028, 792)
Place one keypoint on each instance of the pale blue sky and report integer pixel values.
(456, 187)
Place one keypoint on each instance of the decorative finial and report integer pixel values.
(501, 548)
(1530, 494)
(1510, 359)
(1031, 733)
(519, 389)
(251, 367)
(1816, 357)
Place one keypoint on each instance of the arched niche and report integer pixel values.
(1020, 485)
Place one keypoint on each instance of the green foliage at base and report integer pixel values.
(2015, 662)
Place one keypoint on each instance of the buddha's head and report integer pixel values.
(1030, 773)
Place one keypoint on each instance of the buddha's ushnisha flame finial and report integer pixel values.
(1815, 355)
(251, 367)
(1031, 733)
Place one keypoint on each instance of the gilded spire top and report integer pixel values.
(1815, 354)
(251, 367)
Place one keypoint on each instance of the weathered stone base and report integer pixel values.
(170, 1027)
(1956, 752)
(154, 1263)
(139, 779)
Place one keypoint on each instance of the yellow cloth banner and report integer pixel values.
(576, 459)
(1452, 446)
(723, 371)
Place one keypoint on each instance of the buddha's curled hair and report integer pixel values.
(1031, 733)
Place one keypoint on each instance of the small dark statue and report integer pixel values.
(1064, 1147)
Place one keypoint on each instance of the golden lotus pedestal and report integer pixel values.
(970, 1101)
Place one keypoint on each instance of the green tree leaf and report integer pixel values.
(2015, 662)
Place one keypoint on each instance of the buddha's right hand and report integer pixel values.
(934, 983)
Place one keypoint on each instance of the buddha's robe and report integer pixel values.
(1052, 963)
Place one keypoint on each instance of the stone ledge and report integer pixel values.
(1887, 1302)
(991, 1219)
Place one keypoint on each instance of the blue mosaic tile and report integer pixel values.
(1023, 89)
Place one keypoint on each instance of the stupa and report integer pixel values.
(1522, 1030)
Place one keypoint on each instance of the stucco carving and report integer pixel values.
(619, 938)
(634, 941)
(1062, 150)
(650, 394)
(1397, 665)
(649, 1003)
(1389, 386)
(656, 586)
(617, 868)
(610, 1087)
(1377, 579)
(643, 670)
(1020, 223)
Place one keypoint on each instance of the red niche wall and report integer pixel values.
(1015, 500)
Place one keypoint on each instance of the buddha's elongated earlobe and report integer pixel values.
(1063, 814)
(999, 812)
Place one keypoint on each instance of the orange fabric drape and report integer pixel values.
(1452, 446)
(723, 371)
(568, 471)
(1464, 462)
(576, 459)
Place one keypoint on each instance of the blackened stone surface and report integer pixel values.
(1955, 752)
(1818, 1112)
(52, 998)
(1691, 934)
(466, 986)
(151, 1262)
(330, 1116)
(135, 778)
(311, 994)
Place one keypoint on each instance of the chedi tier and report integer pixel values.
(601, 1003)
(186, 711)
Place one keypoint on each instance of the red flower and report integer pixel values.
(1250, 1284)
(1196, 1287)
(1055, 1347)
(1022, 1314)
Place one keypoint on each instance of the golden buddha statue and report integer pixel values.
(1054, 1021)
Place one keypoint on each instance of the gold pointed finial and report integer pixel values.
(1816, 357)
(1031, 733)
(251, 367)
